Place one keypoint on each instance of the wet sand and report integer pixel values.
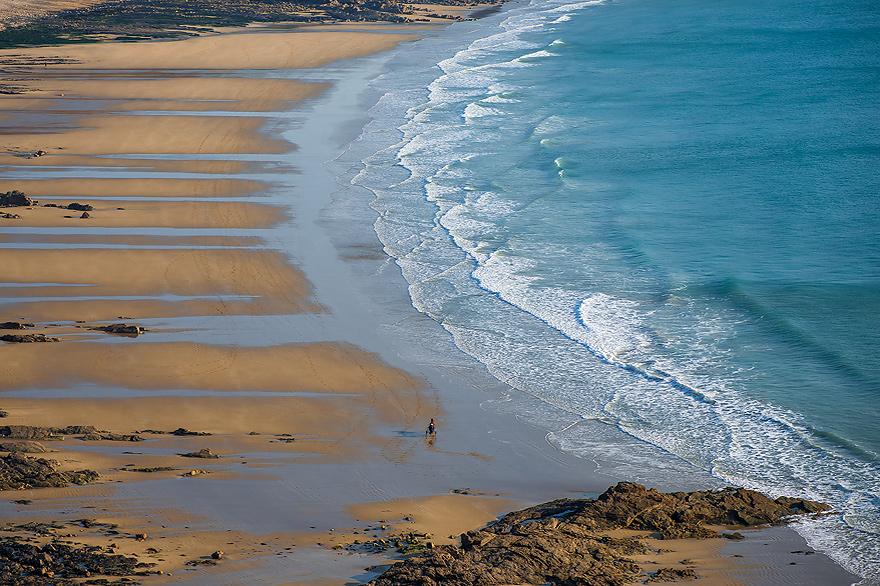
(297, 351)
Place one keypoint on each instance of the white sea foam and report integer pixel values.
(575, 6)
(497, 99)
(477, 110)
(537, 55)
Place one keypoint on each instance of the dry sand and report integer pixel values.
(121, 134)
(319, 367)
(155, 90)
(246, 49)
(81, 188)
(108, 213)
(144, 272)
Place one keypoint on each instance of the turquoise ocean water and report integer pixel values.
(659, 216)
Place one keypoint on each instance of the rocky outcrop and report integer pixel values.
(15, 198)
(75, 430)
(122, 329)
(27, 432)
(27, 338)
(14, 325)
(24, 447)
(111, 437)
(561, 542)
(672, 515)
(80, 207)
(88, 433)
(180, 431)
(203, 453)
(19, 472)
(26, 564)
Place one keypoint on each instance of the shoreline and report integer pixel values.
(484, 447)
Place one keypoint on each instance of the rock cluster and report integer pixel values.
(27, 432)
(180, 431)
(88, 433)
(19, 472)
(403, 543)
(15, 198)
(14, 325)
(203, 453)
(27, 338)
(26, 564)
(132, 330)
(24, 447)
(112, 437)
(560, 543)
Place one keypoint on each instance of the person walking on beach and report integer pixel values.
(432, 430)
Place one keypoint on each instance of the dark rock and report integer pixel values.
(19, 472)
(203, 453)
(27, 338)
(132, 330)
(559, 542)
(37, 527)
(14, 325)
(801, 505)
(89, 433)
(632, 506)
(118, 437)
(183, 432)
(10, 216)
(736, 535)
(80, 207)
(15, 198)
(27, 432)
(85, 216)
(58, 564)
(75, 430)
(24, 447)
(670, 575)
(217, 555)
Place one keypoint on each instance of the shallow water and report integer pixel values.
(661, 217)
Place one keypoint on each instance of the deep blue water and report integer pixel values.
(661, 216)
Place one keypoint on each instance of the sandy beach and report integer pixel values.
(287, 349)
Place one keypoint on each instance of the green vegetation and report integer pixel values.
(131, 20)
(33, 34)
